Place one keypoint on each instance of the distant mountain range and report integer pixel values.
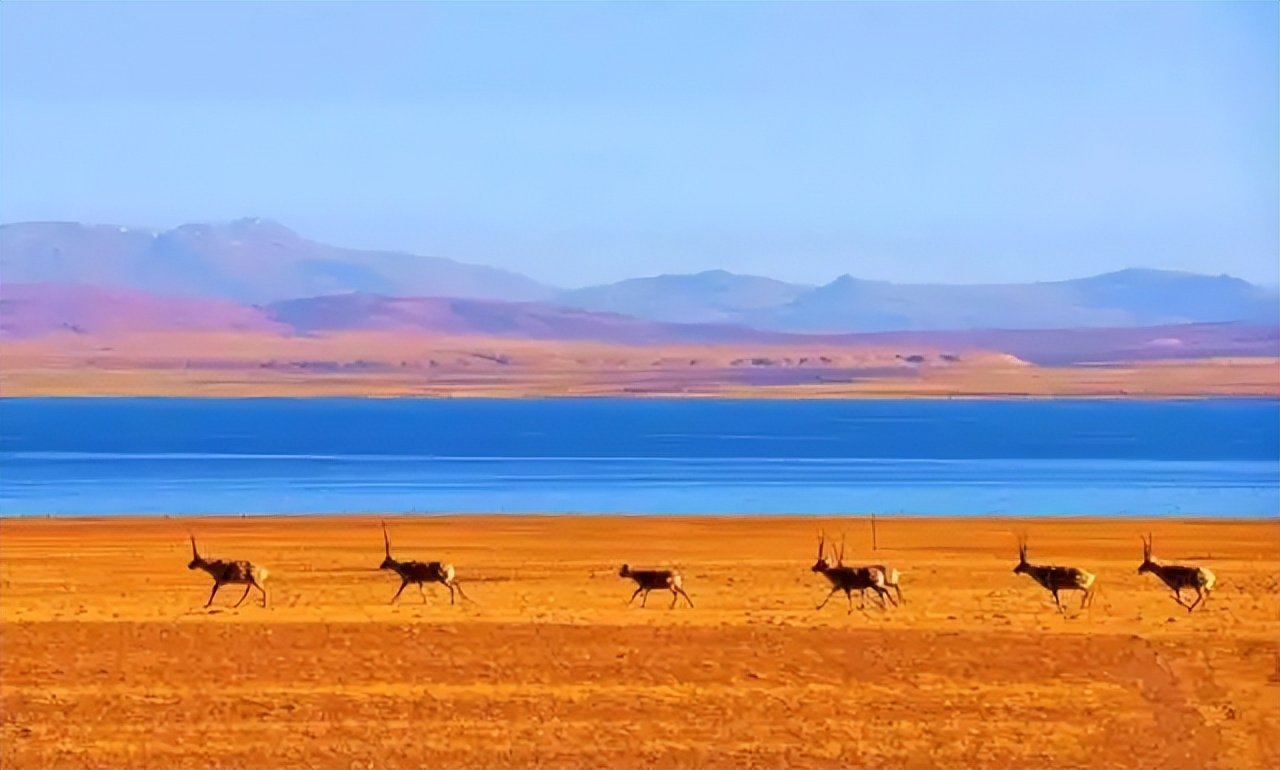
(249, 260)
(259, 262)
(32, 311)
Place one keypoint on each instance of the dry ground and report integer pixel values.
(108, 659)
(381, 364)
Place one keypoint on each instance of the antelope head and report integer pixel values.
(821, 565)
(625, 571)
(1023, 566)
(1147, 564)
(196, 561)
(388, 562)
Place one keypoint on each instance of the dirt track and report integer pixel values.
(108, 659)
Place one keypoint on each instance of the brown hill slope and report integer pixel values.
(34, 310)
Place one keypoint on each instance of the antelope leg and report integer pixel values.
(686, 597)
(450, 587)
(824, 601)
(675, 597)
(247, 588)
(644, 598)
(403, 583)
(263, 589)
(1057, 602)
(213, 593)
(633, 596)
(422, 591)
(461, 593)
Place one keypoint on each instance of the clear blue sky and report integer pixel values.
(586, 142)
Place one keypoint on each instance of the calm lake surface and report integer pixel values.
(186, 456)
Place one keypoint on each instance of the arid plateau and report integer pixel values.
(109, 660)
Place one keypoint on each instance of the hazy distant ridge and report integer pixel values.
(260, 262)
(32, 311)
(249, 260)
(1126, 298)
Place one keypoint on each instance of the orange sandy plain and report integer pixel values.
(108, 659)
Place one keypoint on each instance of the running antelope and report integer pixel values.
(1056, 578)
(849, 579)
(655, 579)
(418, 572)
(1178, 576)
(891, 575)
(235, 572)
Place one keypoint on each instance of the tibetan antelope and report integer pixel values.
(1178, 576)
(418, 572)
(849, 579)
(890, 575)
(655, 579)
(1056, 578)
(234, 572)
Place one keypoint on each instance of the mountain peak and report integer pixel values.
(1158, 276)
(251, 259)
(846, 280)
(259, 225)
(238, 229)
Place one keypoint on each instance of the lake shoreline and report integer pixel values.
(657, 518)
(758, 395)
(628, 373)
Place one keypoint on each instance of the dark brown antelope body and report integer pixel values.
(1178, 576)
(230, 572)
(850, 579)
(418, 572)
(655, 580)
(890, 575)
(1056, 579)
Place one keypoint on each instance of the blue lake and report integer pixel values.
(958, 457)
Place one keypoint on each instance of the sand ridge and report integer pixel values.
(101, 621)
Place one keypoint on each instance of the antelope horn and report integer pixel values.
(194, 553)
(821, 541)
(840, 555)
(386, 539)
